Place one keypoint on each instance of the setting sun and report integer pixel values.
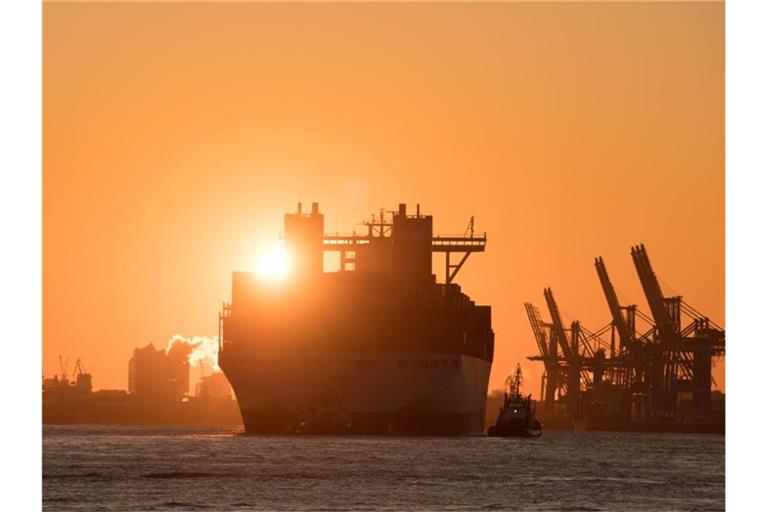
(274, 264)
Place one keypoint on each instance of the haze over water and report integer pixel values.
(152, 468)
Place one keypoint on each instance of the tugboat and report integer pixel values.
(517, 417)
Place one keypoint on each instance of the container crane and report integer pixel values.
(623, 316)
(686, 351)
(547, 343)
(557, 323)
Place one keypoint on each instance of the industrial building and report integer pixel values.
(158, 383)
(157, 375)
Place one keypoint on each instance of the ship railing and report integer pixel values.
(458, 244)
(346, 240)
(439, 243)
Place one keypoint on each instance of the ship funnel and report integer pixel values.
(304, 241)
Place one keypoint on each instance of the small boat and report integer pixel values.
(517, 416)
(325, 416)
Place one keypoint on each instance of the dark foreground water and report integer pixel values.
(135, 468)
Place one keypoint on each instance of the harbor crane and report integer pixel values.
(640, 374)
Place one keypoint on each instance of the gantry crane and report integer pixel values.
(574, 359)
(570, 353)
(645, 369)
(635, 353)
(686, 353)
(548, 355)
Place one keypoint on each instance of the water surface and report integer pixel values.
(139, 468)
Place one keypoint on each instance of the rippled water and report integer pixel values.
(135, 468)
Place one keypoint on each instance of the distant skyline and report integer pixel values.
(175, 136)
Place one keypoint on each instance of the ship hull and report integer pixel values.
(380, 392)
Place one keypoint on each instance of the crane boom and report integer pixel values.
(557, 323)
(538, 331)
(63, 367)
(666, 315)
(621, 324)
(661, 314)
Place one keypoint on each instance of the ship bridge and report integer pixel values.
(399, 243)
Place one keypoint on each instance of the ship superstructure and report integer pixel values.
(394, 350)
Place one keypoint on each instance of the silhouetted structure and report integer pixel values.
(63, 388)
(398, 351)
(155, 375)
(158, 384)
(646, 380)
(517, 414)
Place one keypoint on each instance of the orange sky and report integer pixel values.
(176, 135)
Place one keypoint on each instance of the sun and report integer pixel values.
(274, 264)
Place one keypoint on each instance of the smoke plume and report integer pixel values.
(204, 350)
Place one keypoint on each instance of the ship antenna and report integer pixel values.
(381, 221)
(470, 227)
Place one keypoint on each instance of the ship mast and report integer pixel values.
(515, 382)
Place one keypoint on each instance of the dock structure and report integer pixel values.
(637, 371)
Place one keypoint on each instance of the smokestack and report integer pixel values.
(315, 209)
(418, 210)
(298, 209)
(401, 209)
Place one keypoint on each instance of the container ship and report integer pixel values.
(377, 347)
